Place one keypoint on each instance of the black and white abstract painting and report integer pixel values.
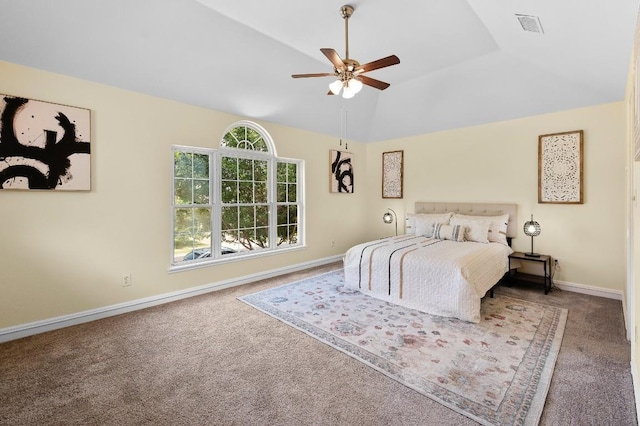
(341, 175)
(44, 145)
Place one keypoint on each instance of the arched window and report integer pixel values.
(239, 200)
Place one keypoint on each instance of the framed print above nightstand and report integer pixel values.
(560, 176)
(392, 171)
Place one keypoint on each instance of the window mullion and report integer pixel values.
(272, 184)
(215, 188)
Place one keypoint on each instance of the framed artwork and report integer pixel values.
(560, 176)
(392, 174)
(44, 145)
(341, 172)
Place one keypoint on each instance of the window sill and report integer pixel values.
(180, 267)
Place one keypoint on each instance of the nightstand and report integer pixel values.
(546, 262)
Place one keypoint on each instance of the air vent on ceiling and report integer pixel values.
(530, 23)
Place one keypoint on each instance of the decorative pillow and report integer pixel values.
(476, 230)
(497, 226)
(448, 232)
(424, 222)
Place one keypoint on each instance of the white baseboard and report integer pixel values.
(36, 327)
(587, 289)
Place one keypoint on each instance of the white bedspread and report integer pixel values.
(440, 277)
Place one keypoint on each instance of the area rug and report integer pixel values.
(497, 372)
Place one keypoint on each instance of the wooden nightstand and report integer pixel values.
(544, 259)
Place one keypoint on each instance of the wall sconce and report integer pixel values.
(532, 229)
(388, 218)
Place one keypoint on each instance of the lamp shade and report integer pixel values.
(390, 217)
(356, 85)
(335, 87)
(532, 229)
(348, 92)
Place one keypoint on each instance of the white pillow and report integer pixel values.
(497, 226)
(423, 222)
(448, 232)
(477, 229)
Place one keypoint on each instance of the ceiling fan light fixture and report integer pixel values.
(348, 92)
(355, 85)
(349, 72)
(335, 87)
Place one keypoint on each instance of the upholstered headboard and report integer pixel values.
(475, 209)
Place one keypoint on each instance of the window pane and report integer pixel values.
(293, 173)
(183, 191)
(182, 164)
(229, 168)
(293, 234)
(260, 173)
(283, 215)
(262, 237)
(282, 172)
(201, 191)
(292, 193)
(281, 196)
(282, 234)
(229, 140)
(293, 214)
(202, 223)
(245, 169)
(248, 238)
(247, 219)
(229, 218)
(261, 146)
(229, 192)
(252, 135)
(245, 193)
(201, 166)
(192, 233)
(262, 216)
(261, 192)
(183, 220)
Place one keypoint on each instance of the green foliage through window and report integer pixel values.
(254, 195)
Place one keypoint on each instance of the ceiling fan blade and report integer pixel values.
(373, 82)
(333, 56)
(380, 63)
(322, 74)
(330, 93)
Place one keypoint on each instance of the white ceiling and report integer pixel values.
(462, 62)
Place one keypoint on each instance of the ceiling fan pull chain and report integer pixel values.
(346, 139)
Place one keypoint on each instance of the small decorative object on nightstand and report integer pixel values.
(388, 218)
(532, 229)
(547, 279)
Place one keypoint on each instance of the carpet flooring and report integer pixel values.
(213, 360)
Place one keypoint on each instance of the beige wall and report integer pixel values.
(63, 253)
(499, 163)
(66, 252)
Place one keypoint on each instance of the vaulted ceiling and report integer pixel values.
(462, 62)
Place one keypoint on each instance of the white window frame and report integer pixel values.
(215, 188)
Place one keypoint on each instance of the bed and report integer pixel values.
(451, 255)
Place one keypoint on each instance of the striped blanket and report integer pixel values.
(440, 277)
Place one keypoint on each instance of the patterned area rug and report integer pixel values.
(497, 372)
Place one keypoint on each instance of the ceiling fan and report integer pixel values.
(348, 71)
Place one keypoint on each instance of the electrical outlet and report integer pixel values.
(333, 243)
(126, 280)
